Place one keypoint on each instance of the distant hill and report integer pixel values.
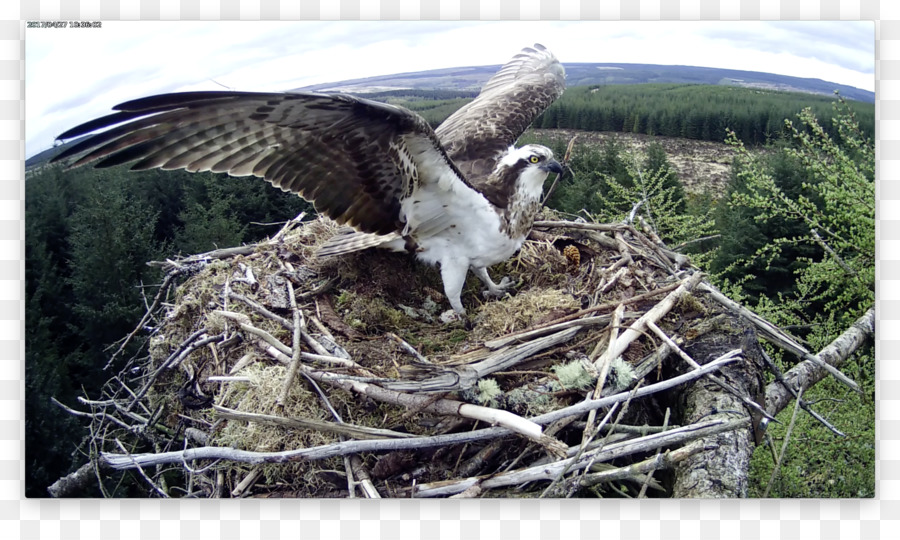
(578, 74)
(445, 90)
(44, 156)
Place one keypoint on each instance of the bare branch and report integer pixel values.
(358, 432)
(807, 373)
(658, 311)
(606, 227)
(350, 447)
(546, 472)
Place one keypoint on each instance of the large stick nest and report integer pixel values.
(373, 400)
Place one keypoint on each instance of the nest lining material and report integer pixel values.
(329, 371)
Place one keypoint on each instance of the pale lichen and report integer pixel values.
(573, 375)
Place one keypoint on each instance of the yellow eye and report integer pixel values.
(534, 159)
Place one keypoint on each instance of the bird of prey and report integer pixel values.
(461, 196)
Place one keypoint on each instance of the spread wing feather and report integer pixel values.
(476, 136)
(348, 155)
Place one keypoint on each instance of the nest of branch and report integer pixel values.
(271, 373)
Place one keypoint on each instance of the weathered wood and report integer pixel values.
(549, 471)
(722, 470)
(707, 456)
(637, 328)
(807, 373)
(75, 482)
(129, 461)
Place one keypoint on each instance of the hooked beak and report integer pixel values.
(552, 166)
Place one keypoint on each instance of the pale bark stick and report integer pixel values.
(246, 482)
(807, 373)
(128, 461)
(693, 363)
(295, 346)
(636, 329)
(547, 472)
(646, 468)
(581, 226)
(342, 428)
(649, 474)
(611, 349)
(365, 481)
(778, 337)
(784, 445)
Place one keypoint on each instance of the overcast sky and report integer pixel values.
(74, 75)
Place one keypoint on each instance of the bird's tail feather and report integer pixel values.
(348, 240)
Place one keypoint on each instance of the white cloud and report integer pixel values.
(71, 80)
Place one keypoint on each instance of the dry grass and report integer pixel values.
(372, 293)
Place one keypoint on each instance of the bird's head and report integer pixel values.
(530, 164)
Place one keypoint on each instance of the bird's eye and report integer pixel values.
(534, 159)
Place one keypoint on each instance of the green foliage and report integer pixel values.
(832, 211)
(818, 464)
(606, 184)
(111, 238)
(89, 235)
(433, 105)
(412, 95)
(216, 211)
(653, 187)
(87, 241)
(691, 111)
(46, 374)
(209, 223)
(800, 226)
(744, 235)
(436, 111)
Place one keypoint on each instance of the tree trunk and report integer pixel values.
(722, 470)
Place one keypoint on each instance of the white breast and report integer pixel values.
(462, 228)
(450, 220)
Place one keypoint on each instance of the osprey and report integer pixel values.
(461, 196)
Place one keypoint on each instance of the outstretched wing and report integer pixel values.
(478, 134)
(350, 156)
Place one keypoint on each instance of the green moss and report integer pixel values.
(458, 336)
(621, 374)
(690, 302)
(344, 299)
(529, 402)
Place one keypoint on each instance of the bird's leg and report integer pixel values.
(453, 273)
(493, 289)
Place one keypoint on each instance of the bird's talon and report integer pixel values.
(493, 293)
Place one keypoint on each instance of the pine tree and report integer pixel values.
(822, 223)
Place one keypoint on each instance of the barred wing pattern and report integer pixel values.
(477, 135)
(348, 155)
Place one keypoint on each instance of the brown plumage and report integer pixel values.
(335, 150)
(460, 196)
(479, 133)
